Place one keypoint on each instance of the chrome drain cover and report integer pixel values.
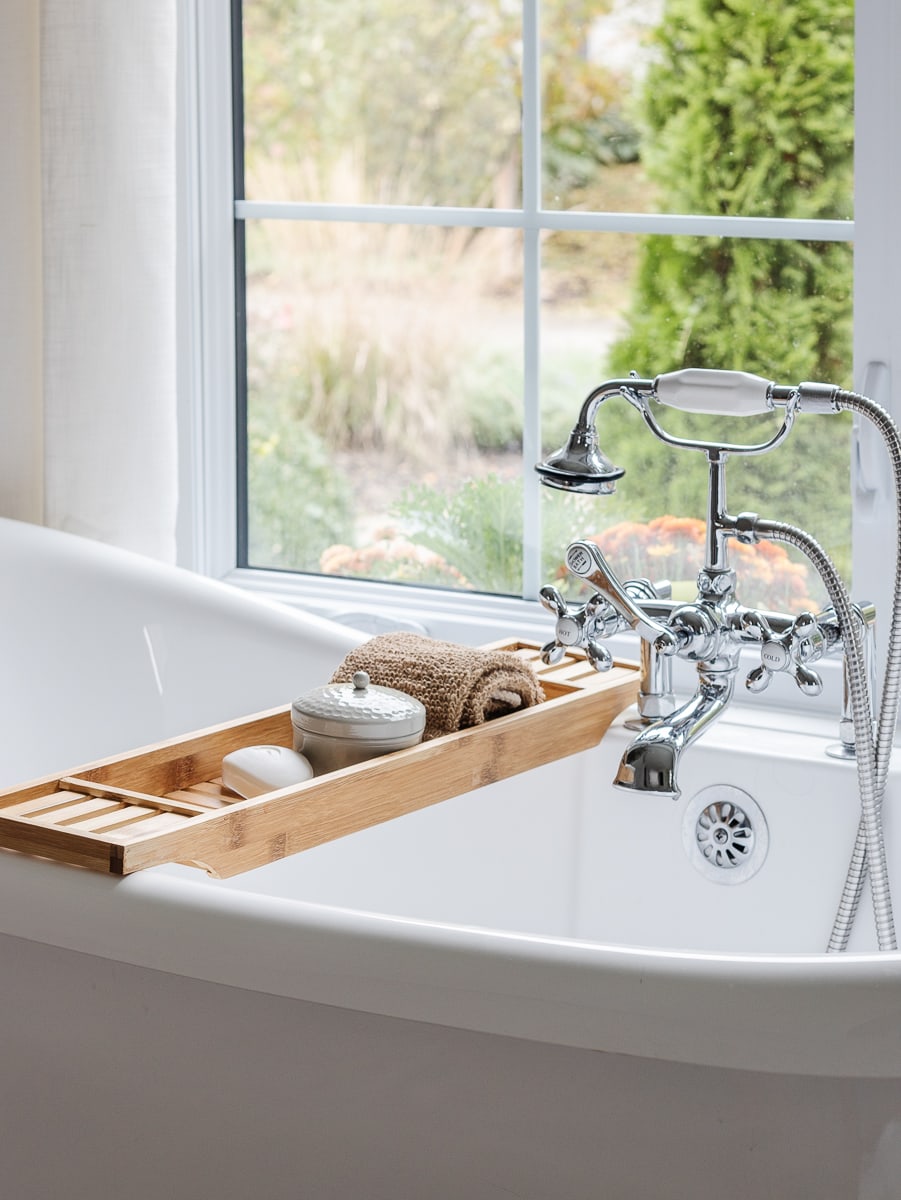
(725, 834)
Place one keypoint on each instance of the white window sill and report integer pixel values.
(476, 619)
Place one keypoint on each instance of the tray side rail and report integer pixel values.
(165, 803)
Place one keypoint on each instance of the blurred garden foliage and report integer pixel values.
(368, 336)
(747, 110)
(472, 538)
(424, 99)
(672, 547)
(294, 515)
(373, 338)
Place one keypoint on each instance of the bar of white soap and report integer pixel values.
(253, 770)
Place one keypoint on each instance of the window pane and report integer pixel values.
(385, 364)
(721, 108)
(385, 402)
(778, 309)
(372, 101)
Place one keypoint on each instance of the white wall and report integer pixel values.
(88, 437)
(21, 482)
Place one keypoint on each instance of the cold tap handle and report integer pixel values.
(586, 560)
(800, 643)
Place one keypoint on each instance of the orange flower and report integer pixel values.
(391, 557)
(673, 547)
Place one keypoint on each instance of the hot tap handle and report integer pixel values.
(598, 655)
(580, 625)
(551, 653)
(586, 560)
(551, 599)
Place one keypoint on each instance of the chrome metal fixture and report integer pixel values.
(725, 834)
(714, 630)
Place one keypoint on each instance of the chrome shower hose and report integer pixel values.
(873, 753)
(862, 856)
(869, 847)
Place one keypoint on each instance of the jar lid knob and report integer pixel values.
(361, 681)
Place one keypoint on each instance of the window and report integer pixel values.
(445, 239)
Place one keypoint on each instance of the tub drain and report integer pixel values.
(725, 834)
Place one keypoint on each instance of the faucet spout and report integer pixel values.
(650, 763)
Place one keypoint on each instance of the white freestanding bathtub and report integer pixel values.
(541, 989)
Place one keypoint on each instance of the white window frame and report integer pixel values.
(207, 521)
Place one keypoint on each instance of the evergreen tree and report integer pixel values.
(747, 111)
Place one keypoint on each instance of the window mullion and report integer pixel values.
(672, 224)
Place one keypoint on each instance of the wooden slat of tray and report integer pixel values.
(205, 795)
(165, 803)
(115, 818)
(106, 791)
(151, 826)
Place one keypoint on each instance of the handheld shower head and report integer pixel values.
(580, 466)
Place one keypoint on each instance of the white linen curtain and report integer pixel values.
(104, 387)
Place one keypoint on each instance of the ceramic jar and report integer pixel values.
(345, 723)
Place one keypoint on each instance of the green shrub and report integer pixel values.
(477, 530)
(748, 110)
(491, 386)
(297, 501)
(350, 331)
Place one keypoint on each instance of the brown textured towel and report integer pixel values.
(458, 685)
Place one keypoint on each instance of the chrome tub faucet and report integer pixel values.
(713, 630)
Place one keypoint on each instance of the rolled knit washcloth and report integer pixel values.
(459, 686)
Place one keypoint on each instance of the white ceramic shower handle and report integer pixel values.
(717, 393)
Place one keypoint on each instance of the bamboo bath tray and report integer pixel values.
(165, 803)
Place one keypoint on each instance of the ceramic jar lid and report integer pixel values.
(358, 710)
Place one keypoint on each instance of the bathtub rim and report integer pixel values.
(684, 1006)
(817, 1014)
